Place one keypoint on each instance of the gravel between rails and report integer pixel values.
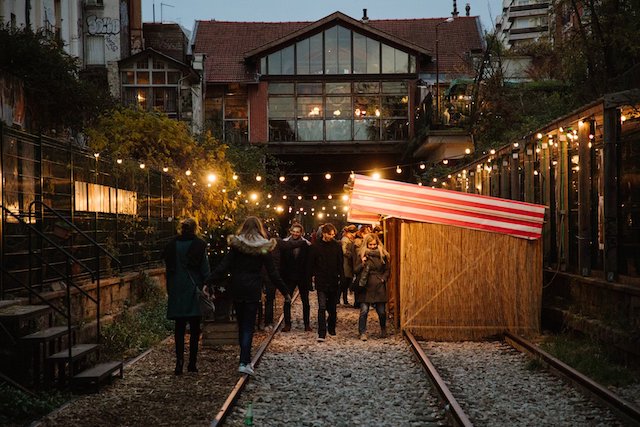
(496, 386)
(340, 382)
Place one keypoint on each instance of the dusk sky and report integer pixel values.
(185, 12)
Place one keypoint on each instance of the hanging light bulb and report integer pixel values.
(398, 170)
(281, 178)
(445, 162)
(96, 155)
(315, 197)
(305, 178)
(258, 178)
(142, 165)
(234, 177)
(375, 175)
(329, 197)
(352, 175)
(492, 151)
(467, 151)
(327, 176)
(299, 197)
(188, 172)
(284, 197)
(211, 177)
(165, 169)
(119, 161)
(423, 166)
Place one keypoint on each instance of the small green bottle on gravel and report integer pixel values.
(248, 417)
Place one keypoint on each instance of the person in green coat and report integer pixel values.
(187, 267)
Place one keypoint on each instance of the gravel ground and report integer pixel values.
(340, 382)
(151, 395)
(495, 387)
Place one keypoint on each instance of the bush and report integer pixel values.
(18, 408)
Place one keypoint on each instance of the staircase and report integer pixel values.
(39, 339)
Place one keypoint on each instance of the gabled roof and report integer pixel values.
(227, 44)
(193, 75)
(334, 18)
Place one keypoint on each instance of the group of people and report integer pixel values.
(357, 262)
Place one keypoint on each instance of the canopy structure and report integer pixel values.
(374, 198)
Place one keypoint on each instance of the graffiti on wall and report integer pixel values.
(97, 25)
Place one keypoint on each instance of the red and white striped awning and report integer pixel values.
(373, 198)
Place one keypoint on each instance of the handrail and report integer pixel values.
(57, 246)
(75, 227)
(55, 270)
(31, 291)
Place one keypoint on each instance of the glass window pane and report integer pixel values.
(366, 130)
(331, 51)
(310, 107)
(235, 107)
(275, 63)
(287, 60)
(282, 108)
(315, 54)
(280, 88)
(344, 51)
(359, 54)
(412, 64)
(338, 107)
(159, 78)
(395, 130)
(173, 77)
(159, 65)
(309, 88)
(366, 106)
(338, 130)
(142, 77)
(263, 65)
(388, 59)
(402, 61)
(282, 130)
(335, 88)
(128, 78)
(367, 87)
(310, 130)
(142, 64)
(373, 56)
(302, 57)
(395, 106)
(235, 131)
(142, 94)
(394, 87)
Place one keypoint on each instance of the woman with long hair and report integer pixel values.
(250, 251)
(187, 266)
(374, 270)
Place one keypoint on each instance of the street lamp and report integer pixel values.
(446, 21)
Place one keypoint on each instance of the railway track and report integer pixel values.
(345, 381)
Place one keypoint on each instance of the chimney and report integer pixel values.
(365, 18)
(455, 9)
(467, 9)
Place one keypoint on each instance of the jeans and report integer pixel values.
(327, 301)
(246, 316)
(364, 312)
(306, 308)
(194, 337)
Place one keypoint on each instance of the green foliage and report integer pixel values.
(158, 141)
(56, 98)
(590, 357)
(18, 408)
(136, 331)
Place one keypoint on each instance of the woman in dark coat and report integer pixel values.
(375, 259)
(250, 251)
(187, 266)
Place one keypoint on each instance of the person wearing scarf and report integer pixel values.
(187, 265)
(373, 255)
(250, 250)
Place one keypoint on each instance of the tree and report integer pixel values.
(160, 142)
(56, 99)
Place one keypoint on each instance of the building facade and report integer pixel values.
(340, 91)
(522, 21)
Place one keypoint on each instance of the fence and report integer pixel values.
(126, 208)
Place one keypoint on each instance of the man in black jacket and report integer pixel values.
(293, 270)
(326, 270)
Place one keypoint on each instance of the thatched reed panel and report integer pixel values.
(392, 244)
(460, 284)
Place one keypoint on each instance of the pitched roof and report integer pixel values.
(226, 43)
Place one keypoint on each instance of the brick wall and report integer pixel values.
(258, 121)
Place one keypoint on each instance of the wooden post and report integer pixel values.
(584, 200)
(611, 188)
(528, 172)
(504, 177)
(514, 159)
(545, 189)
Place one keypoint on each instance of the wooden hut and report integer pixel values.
(463, 268)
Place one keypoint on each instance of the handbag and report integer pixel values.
(364, 277)
(207, 307)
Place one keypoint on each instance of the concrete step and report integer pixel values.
(46, 335)
(23, 312)
(93, 377)
(78, 351)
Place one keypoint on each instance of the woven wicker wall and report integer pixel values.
(459, 284)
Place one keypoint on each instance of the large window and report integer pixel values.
(338, 111)
(227, 112)
(150, 84)
(338, 50)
